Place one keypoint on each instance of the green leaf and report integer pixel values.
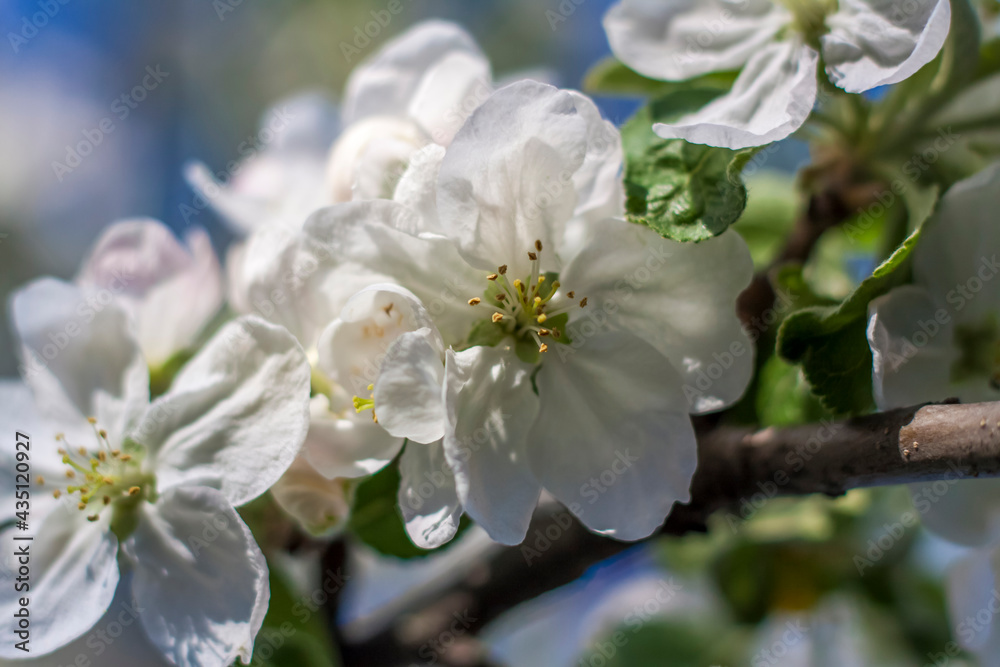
(613, 78)
(290, 636)
(376, 520)
(831, 344)
(683, 191)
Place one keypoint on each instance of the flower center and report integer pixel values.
(103, 477)
(809, 16)
(532, 310)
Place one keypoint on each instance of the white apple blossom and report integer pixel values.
(172, 292)
(515, 280)
(778, 45)
(122, 484)
(939, 338)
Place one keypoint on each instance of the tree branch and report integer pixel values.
(916, 444)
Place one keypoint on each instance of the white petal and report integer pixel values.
(687, 38)
(348, 446)
(771, 98)
(959, 248)
(965, 512)
(81, 358)
(352, 348)
(388, 83)
(450, 91)
(408, 391)
(973, 603)
(427, 496)
(417, 189)
(320, 505)
(506, 180)
(875, 43)
(598, 183)
(171, 291)
(235, 416)
(910, 366)
(613, 441)
(200, 579)
(678, 297)
(369, 158)
(380, 242)
(491, 407)
(73, 573)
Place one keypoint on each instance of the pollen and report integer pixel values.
(475, 301)
(497, 317)
(57, 494)
(543, 348)
(134, 491)
(40, 480)
(92, 420)
(492, 277)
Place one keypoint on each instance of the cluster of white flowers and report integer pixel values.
(776, 45)
(452, 287)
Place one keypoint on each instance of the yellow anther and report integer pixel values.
(538, 301)
(92, 518)
(541, 279)
(371, 387)
(544, 332)
(108, 481)
(541, 318)
(583, 302)
(103, 433)
(532, 256)
(70, 474)
(102, 456)
(134, 491)
(81, 506)
(474, 301)
(92, 420)
(543, 348)
(61, 451)
(82, 451)
(59, 437)
(571, 294)
(107, 500)
(502, 269)
(492, 276)
(518, 285)
(126, 457)
(116, 453)
(40, 480)
(497, 317)
(56, 494)
(538, 246)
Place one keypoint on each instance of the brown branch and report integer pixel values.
(735, 465)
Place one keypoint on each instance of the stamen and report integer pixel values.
(543, 348)
(583, 302)
(571, 294)
(134, 491)
(56, 494)
(541, 318)
(532, 256)
(538, 246)
(491, 277)
(502, 270)
(92, 420)
(474, 301)
(107, 500)
(81, 506)
(40, 480)
(497, 317)
(92, 518)
(501, 297)
(126, 457)
(544, 332)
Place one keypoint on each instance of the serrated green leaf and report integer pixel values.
(376, 520)
(683, 191)
(613, 78)
(830, 343)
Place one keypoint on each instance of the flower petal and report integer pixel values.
(368, 159)
(408, 391)
(320, 505)
(613, 440)
(678, 297)
(491, 406)
(388, 83)
(236, 415)
(172, 292)
(771, 98)
(687, 38)
(200, 578)
(346, 446)
(81, 358)
(967, 513)
(910, 366)
(875, 43)
(417, 189)
(74, 574)
(427, 497)
(506, 180)
(973, 597)
(449, 91)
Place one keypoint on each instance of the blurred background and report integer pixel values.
(103, 103)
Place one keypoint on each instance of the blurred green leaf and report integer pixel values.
(613, 78)
(831, 342)
(683, 191)
(769, 215)
(376, 520)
